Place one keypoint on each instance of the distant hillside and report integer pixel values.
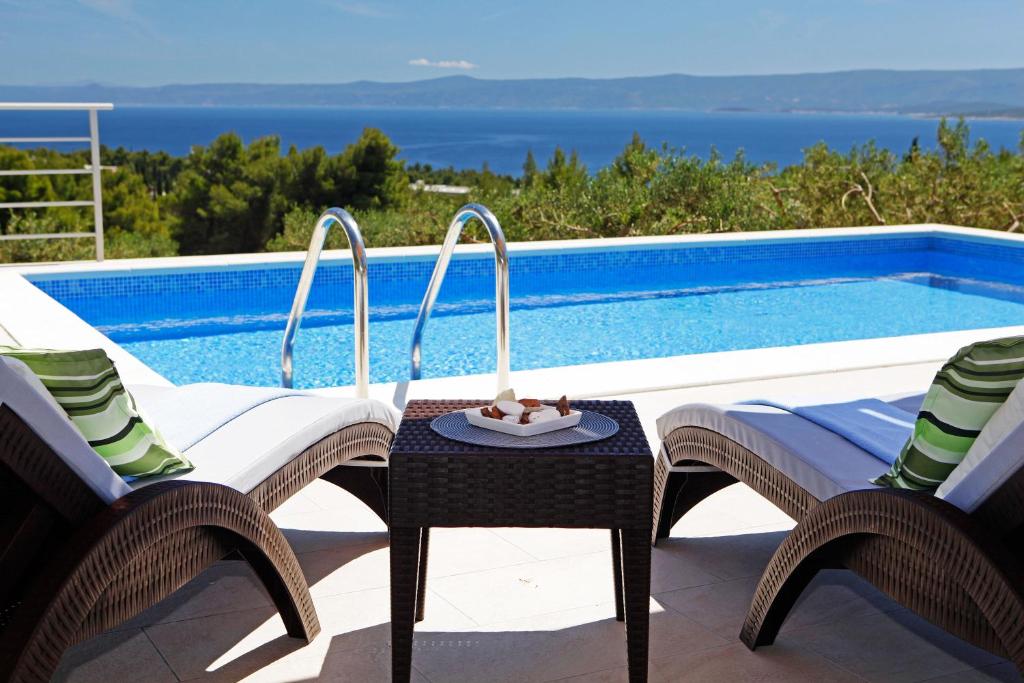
(995, 92)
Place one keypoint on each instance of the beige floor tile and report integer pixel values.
(722, 607)
(298, 504)
(120, 656)
(740, 501)
(1004, 672)
(673, 633)
(461, 551)
(323, 530)
(711, 517)
(617, 675)
(542, 587)
(345, 615)
(225, 587)
(735, 662)
(332, 498)
(551, 544)
(234, 646)
(346, 569)
(326, 517)
(551, 649)
(732, 556)
(365, 666)
(892, 646)
(551, 646)
(530, 589)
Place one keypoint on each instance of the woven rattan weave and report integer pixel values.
(72, 567)
(436, 482)
(963, 572)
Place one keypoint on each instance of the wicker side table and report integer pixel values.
(436, 482)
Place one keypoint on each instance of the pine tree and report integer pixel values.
(529, 169)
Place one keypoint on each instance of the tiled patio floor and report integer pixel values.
(528, 605)
(524, 604)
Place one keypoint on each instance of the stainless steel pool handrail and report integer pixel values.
(359, 302)
(462, 217)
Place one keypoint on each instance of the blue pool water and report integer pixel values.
(567, 308)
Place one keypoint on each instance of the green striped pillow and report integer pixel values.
(965, 393)
(88, 388)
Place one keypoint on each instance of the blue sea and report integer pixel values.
(501, 139)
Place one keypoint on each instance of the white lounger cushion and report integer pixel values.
(825, 464)
(822, 463)
(23, 393)
(997, 453)
(259, 441)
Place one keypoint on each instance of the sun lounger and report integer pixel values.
(82, 551)
(954, 558)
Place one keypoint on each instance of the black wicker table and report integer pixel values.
(437, 482)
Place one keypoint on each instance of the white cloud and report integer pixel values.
(443, 64)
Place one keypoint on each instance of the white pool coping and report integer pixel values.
(598, 380)
(36, 319)
(153, 266)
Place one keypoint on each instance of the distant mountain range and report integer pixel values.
(988, 92)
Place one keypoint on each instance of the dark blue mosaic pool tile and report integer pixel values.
(989, 249)
(582, 264)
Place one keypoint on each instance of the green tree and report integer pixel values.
(158, 170)
(22, 188)
(228, 197)
(232, 197)
(530, 170)
(565, 173)
(133, 223)
(368, 175)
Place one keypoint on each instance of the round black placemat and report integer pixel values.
(592, 427)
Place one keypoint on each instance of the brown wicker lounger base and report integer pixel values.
(72, 567)
(963, 572)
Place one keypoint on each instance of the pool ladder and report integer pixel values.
(462, 218)
(464, 215)
(359, 308)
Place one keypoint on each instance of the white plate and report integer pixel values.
(532, 429)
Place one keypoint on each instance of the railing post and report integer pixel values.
(94, 168)
(97, 181)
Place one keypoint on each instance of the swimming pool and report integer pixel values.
(575, 304)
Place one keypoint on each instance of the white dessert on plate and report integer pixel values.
(523, 417)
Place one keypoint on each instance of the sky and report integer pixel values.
(155, 42)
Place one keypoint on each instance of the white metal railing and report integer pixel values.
(93, 169)
(465, 215)
(360, 310)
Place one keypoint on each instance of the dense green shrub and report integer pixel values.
(232, 197)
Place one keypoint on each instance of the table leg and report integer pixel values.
(617, 573)
(421, 584)
(636, 569)
(405, 553)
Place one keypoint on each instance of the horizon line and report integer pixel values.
(97, 84)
